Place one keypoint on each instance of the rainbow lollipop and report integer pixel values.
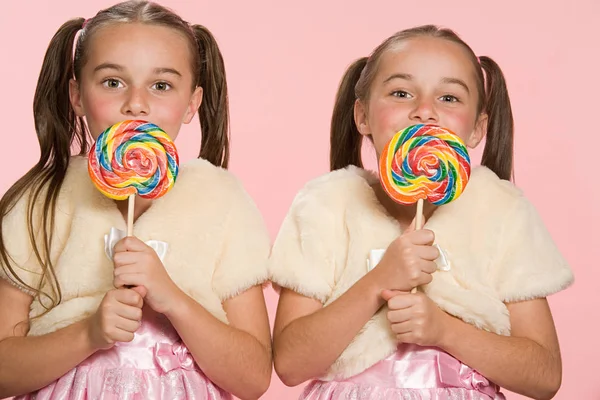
(133, 157)
(424, 162)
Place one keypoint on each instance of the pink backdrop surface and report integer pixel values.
(284, 61)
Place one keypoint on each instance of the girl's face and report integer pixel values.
(136, 71)
(422, 81)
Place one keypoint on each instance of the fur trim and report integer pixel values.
(218, 244)
(336, 220)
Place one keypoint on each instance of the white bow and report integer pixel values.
(116, 234)
(442, 261)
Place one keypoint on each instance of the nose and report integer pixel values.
(136, 103)
(424, 112)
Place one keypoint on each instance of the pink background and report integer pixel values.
(284, 62)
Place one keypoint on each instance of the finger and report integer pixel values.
(422, 237)
(128, 269)
(411, 227)
(425, 277)
(413, 224)
(135, 279)
(427, 252)
(399, 316)
(131, 313)
(427, 267)
(129, 243)
(141, 290)
(128, 325)
(402, 328)
(407, 337)
(387, 294)
(128, 297)
(121, 335)
(125, 258)
(401, 301)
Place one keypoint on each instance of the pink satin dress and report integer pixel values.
(155, 365)
(412, 373)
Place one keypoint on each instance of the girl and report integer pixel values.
(483, 323)
(80, 321)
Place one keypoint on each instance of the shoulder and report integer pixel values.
(216, 190)
(74, 181)
(486, 191)
(199, 175)
(335, 191)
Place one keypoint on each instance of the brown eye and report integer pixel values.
(401, 94)
(162, 86)
(112, 83)
(449, 98)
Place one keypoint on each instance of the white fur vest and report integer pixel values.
(218, 243)
(497, 245)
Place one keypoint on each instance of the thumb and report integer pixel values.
(411, 227)
(413, 224)
(141, 290)
(387, 294)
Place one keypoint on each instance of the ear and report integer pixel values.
(360, 118)
(479, 132)
(75, 98)
(194, 105)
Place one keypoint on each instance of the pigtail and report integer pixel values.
(345, 139)
(214, 110)
(57, 126)
(498, 151)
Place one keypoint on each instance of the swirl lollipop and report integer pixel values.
(133, 157)
(424, 162)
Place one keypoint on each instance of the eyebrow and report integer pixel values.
(108, 66)
(456, 81)
(406, 77)
(409, 77)
(120, 68)
(171, 71)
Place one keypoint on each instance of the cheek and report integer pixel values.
(460, 122)
(99, 109)
(170, 111)
(169, 116)
(99, 113)
(385, 120)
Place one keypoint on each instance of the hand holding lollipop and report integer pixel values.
(424, 162)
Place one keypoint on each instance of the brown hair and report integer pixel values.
(59, 129)
(346, 141)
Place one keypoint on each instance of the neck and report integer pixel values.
(404, 214)
(141, 205)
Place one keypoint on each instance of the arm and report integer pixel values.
(36, 361)
(30, 363)
(528, 362)
(308, 337)
(236, 357)
(527, 265)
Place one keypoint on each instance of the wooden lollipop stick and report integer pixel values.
(418, 225)
(130, 212)
(419, 222)
(417, 160)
